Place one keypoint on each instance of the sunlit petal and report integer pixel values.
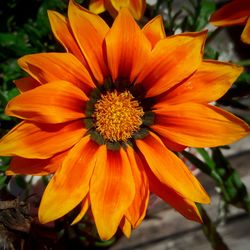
(63, 33)
(210, 82)
(154, 30)
(234, 12)
(198, 125)
(245, 36)
(125, 227)
(19, 165)
(94, 29)
(125, 62)
(136, 7)
(112, 190)
(137, 210)
(41, 141)
(167, 65)
(184, 206)
(96, 6)
(66, 104)
(48, 67)
(84, 208)
(70, 184)
(170, 170)
(26, 83)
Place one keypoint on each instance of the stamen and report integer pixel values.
(117, 116)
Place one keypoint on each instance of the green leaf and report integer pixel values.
(207, 8)
(3, 99)
(210, 53)
(3, 168)
(244, 77)
(210, 231)
(233, 189)
(42, 21)
(13, 45)
(2, 181)
(197, 162)
(5, 96)
(4, 163)
(10, 71)
(20, 181)
(206, 157)
(106, 243)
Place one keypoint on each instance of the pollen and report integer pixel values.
(117, 116)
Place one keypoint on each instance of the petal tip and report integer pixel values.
(9, 172)
(50, 12)
(20, 61)
(97, 7)
(206, 199)
(42, 219)
(125, 12)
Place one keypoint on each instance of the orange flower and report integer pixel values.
(136, 7)
(233, 13)
(105, 116)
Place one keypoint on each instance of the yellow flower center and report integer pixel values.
(117, 115)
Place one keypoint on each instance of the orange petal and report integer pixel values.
(167, 65)
(96, 6)
(61, 29)
(125, 227)
(112, 190)
(207, 84)
(137, 210)
(89, 30)
(70, 184)
(113, 7)
(245, 36)
(136, 7)
(123, 59)
(84, 208)
(173, 146)
(184, 206)
(170, 170)
(235, 12)
(48, 67)
(54, 102)
(19, 165)
(198, 125)
(41, 141)
(26, 83)
(154, 30)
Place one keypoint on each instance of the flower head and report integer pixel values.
(236, 12)
(136, 7)
(105, 116)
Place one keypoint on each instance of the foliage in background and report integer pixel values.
(25, 30)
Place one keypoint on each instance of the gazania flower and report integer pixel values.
(236, 12)
(136, 7)
(106, 115)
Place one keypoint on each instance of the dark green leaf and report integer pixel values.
(2, 181)
(206, 9)
(206, 157)
(197, 162)
(210, 231)
(20, 181)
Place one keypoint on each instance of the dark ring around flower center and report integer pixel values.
(118, 90)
